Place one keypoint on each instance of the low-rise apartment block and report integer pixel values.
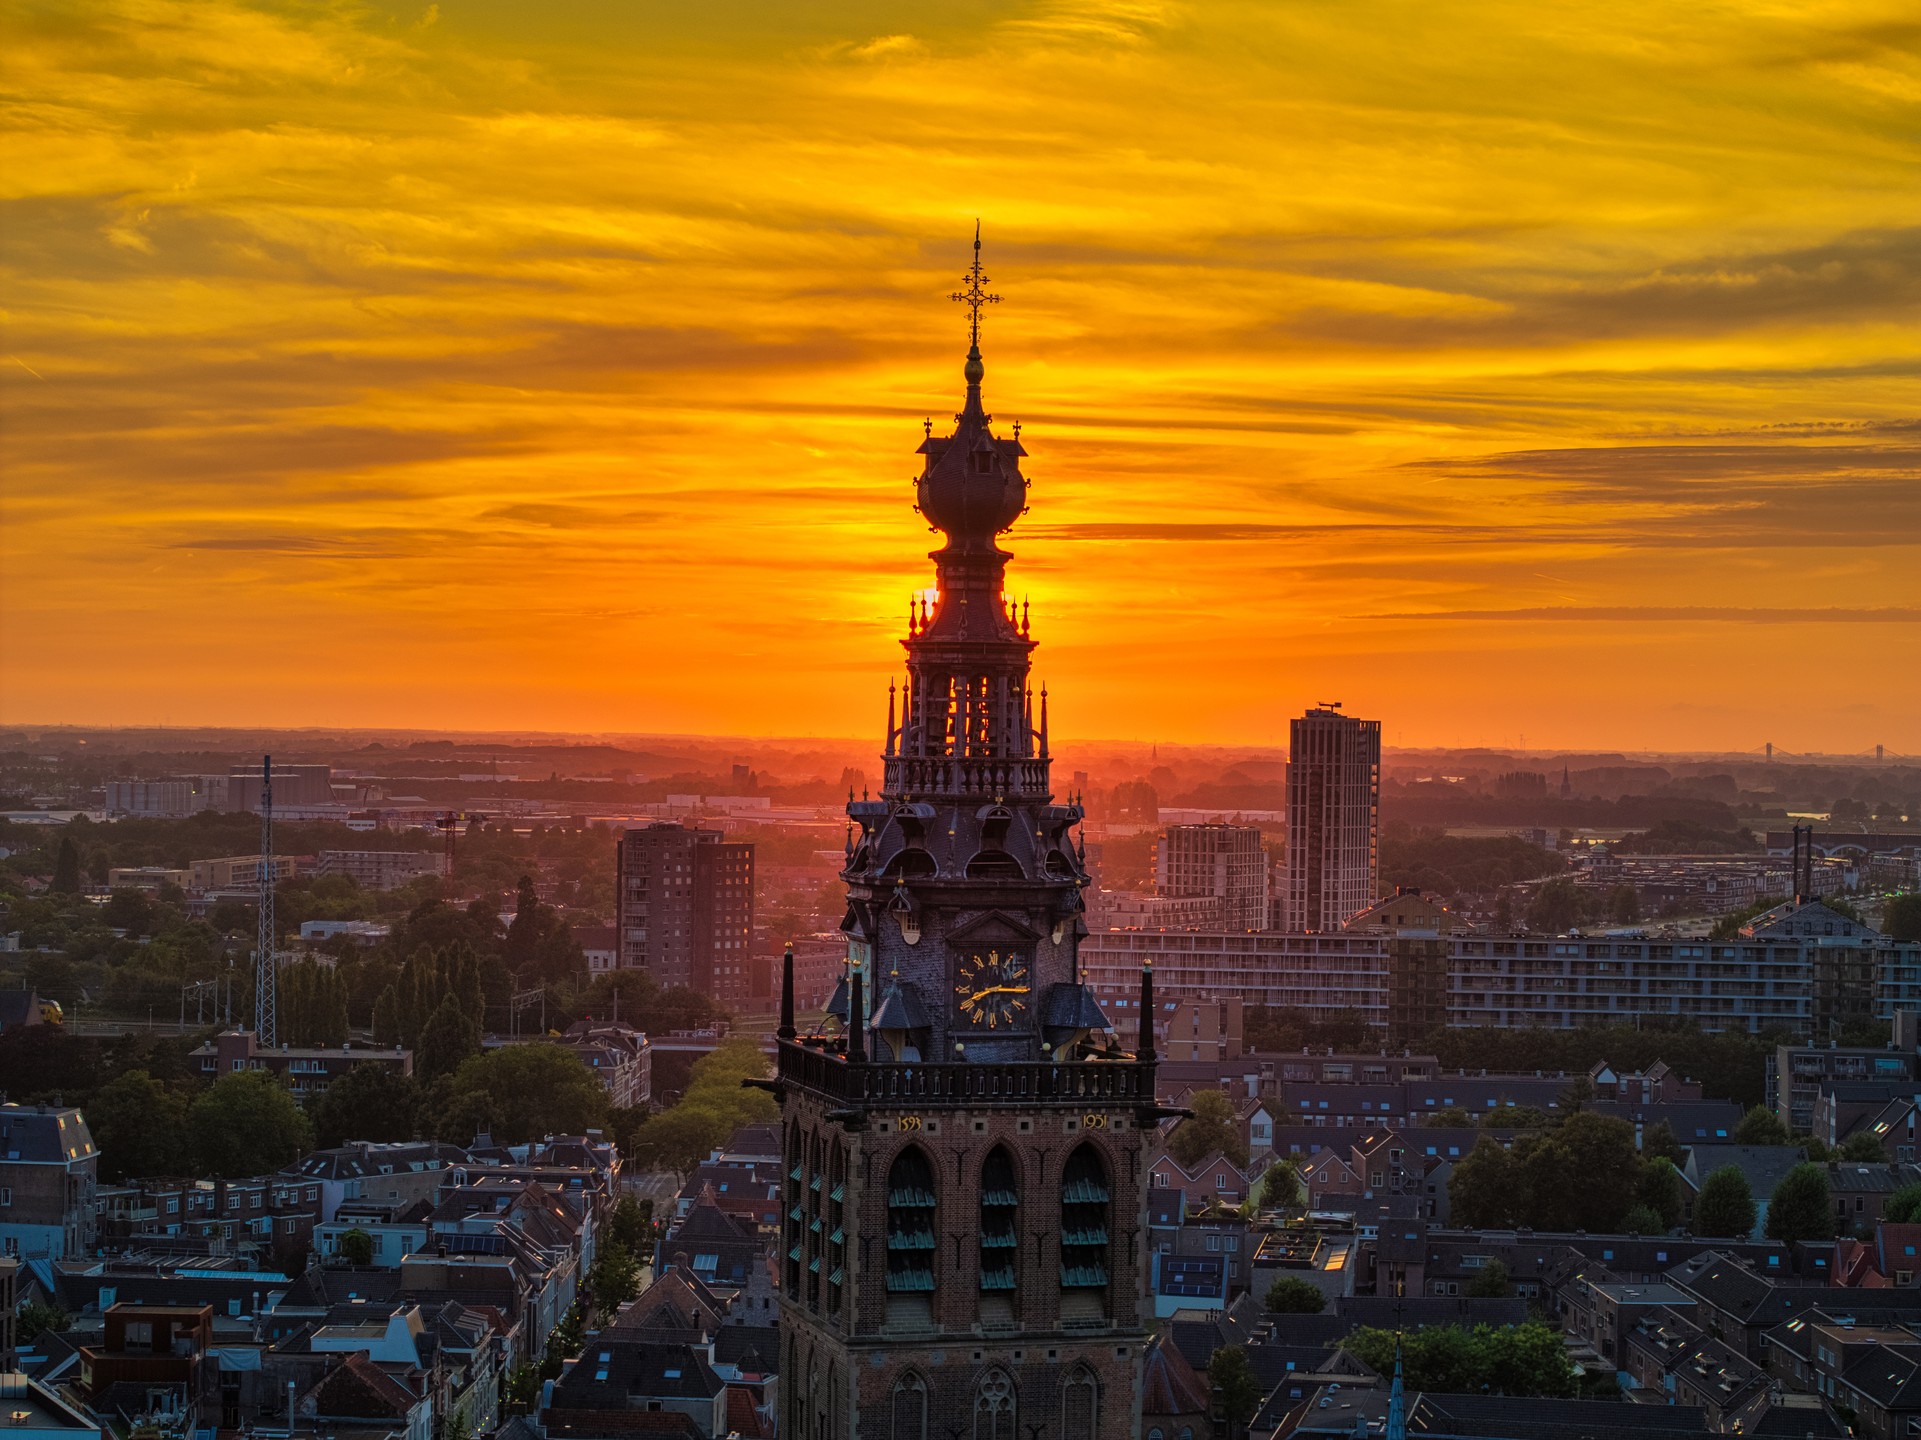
(49, 1170)
(1809, 972)
(307, 1069)
(377, 869)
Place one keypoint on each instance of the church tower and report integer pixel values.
(963, 1247)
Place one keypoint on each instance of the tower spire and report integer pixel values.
(973, 294)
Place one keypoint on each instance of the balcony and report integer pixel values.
(933, 775)
(1080, 1083)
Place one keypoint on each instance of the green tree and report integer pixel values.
(1642, 1220)
(1726, 1205)
(1575, 1095)
(632, 1225)
(523, 1389)
(613, 1280)
(1214, 1129)
(1522, 1360)
(569, 1335)
(1863, 1148)
(1801, 1208)
(1556, 907)
(712, 1106)
(247, 1124)
(1624, 905)
(1232, 1380)
(1291, 1295)
(66, 868)
(539, 942)
(140, 1126)
(36, 1319)
(1481, 1192)
(520, 1093)
(370, 1102)
(1760, 1126)
(357, 1247)
(1583, 1174)
(1449, 1117)
(448, 1039)
(1280, 1185)
(1662, 1192)
(1904, 1205)
(1659, 1140)
(1901, 918)
(1492, 1282)
(524, 933)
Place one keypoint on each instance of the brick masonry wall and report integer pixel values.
(850, 1360)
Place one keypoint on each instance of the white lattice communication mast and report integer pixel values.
(266, 959)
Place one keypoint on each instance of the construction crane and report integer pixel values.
(449, 826)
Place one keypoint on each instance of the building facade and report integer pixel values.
(49, 1171)
(1333, 818)
(1224, 863)
(1806, 984)
(307, 1069)
(686, 900)
(186, 795)
(235, 872)
(378, 869)
(964, 1198)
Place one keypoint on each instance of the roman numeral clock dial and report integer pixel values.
(993, 988)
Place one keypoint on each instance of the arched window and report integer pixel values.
(1085, 1205)
(910, 1408)
(995, 1407)
(794, 1216)
(816, 1185)
(911, 1239)
(836, 1261)
(999, 1234)
(1081, 1406)
(1157, 1434)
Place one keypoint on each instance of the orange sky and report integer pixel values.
(1503, 370)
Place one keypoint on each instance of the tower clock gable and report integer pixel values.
(964, 1233)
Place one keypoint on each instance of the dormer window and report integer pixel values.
(983, 463)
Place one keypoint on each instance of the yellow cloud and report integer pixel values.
(1482, 360)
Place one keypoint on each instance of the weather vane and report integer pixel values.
(973, 294)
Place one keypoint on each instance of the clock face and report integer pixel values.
(993, 988)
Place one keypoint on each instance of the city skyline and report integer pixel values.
(565, 374)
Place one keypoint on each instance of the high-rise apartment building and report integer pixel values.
(963, 1249)
(686, 901)
(1333, 818)
(1225, 862)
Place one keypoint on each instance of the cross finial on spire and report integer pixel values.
(973, 293)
